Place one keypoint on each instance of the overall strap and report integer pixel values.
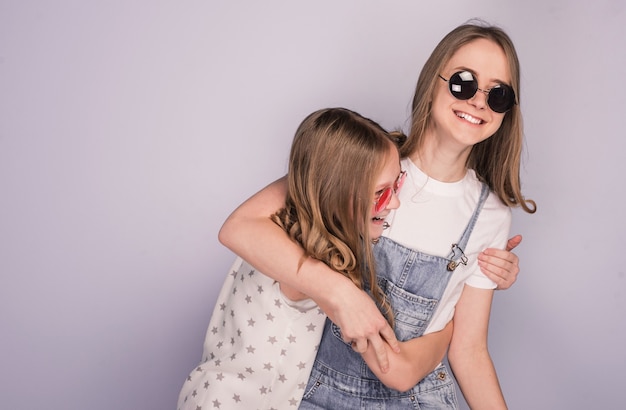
(456, 254)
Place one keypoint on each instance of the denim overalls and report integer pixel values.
(413, 283)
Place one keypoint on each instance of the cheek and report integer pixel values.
(496, 123)
(441, 105)
(440, 98)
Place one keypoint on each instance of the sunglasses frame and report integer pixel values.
(456, 94)
(385, 196)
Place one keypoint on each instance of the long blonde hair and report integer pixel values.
(335, 157)
(497, 159)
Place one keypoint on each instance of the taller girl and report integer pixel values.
(463, 159)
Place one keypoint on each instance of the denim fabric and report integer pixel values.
(413, 283)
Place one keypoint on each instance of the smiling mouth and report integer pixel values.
(468, 118)
(378, 220)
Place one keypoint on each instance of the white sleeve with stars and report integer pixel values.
(259, 347)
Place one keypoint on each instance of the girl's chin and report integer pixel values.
(376, 232)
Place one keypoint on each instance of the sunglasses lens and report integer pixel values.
(383, 200)
(463, 86)
(501, 98)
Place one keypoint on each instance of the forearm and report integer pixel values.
(417, 358)
(477, 378)
(250, 233)
(469, 355)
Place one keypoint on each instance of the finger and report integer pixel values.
(496, 260)
(380, 351)
(499, 259)
(500, 271)
(503, 283)
(513, 242)
(389, 336)
(359, 345)
(491, 271)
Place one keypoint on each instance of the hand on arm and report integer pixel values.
(251, 234)
(469, 355)
(501, 266)
(417, 358)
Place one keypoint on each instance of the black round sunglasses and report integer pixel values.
(463, 86)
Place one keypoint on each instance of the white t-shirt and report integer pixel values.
(433, 215)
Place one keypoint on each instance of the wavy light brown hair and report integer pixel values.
(497, 159)
(335, 157)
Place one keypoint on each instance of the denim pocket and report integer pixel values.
(412, 312)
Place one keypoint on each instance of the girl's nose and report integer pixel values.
(479, 100)
(395, 201)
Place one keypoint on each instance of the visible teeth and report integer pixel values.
(468, 117)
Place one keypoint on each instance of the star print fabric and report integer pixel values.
(259, 347)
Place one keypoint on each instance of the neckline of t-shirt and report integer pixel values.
(424, 182)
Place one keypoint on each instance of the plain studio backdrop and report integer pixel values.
(129, 130)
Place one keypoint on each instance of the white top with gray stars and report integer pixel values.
(259, 347)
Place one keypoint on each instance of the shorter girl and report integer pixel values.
(344, 174)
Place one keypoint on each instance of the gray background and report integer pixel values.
(130, 129)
